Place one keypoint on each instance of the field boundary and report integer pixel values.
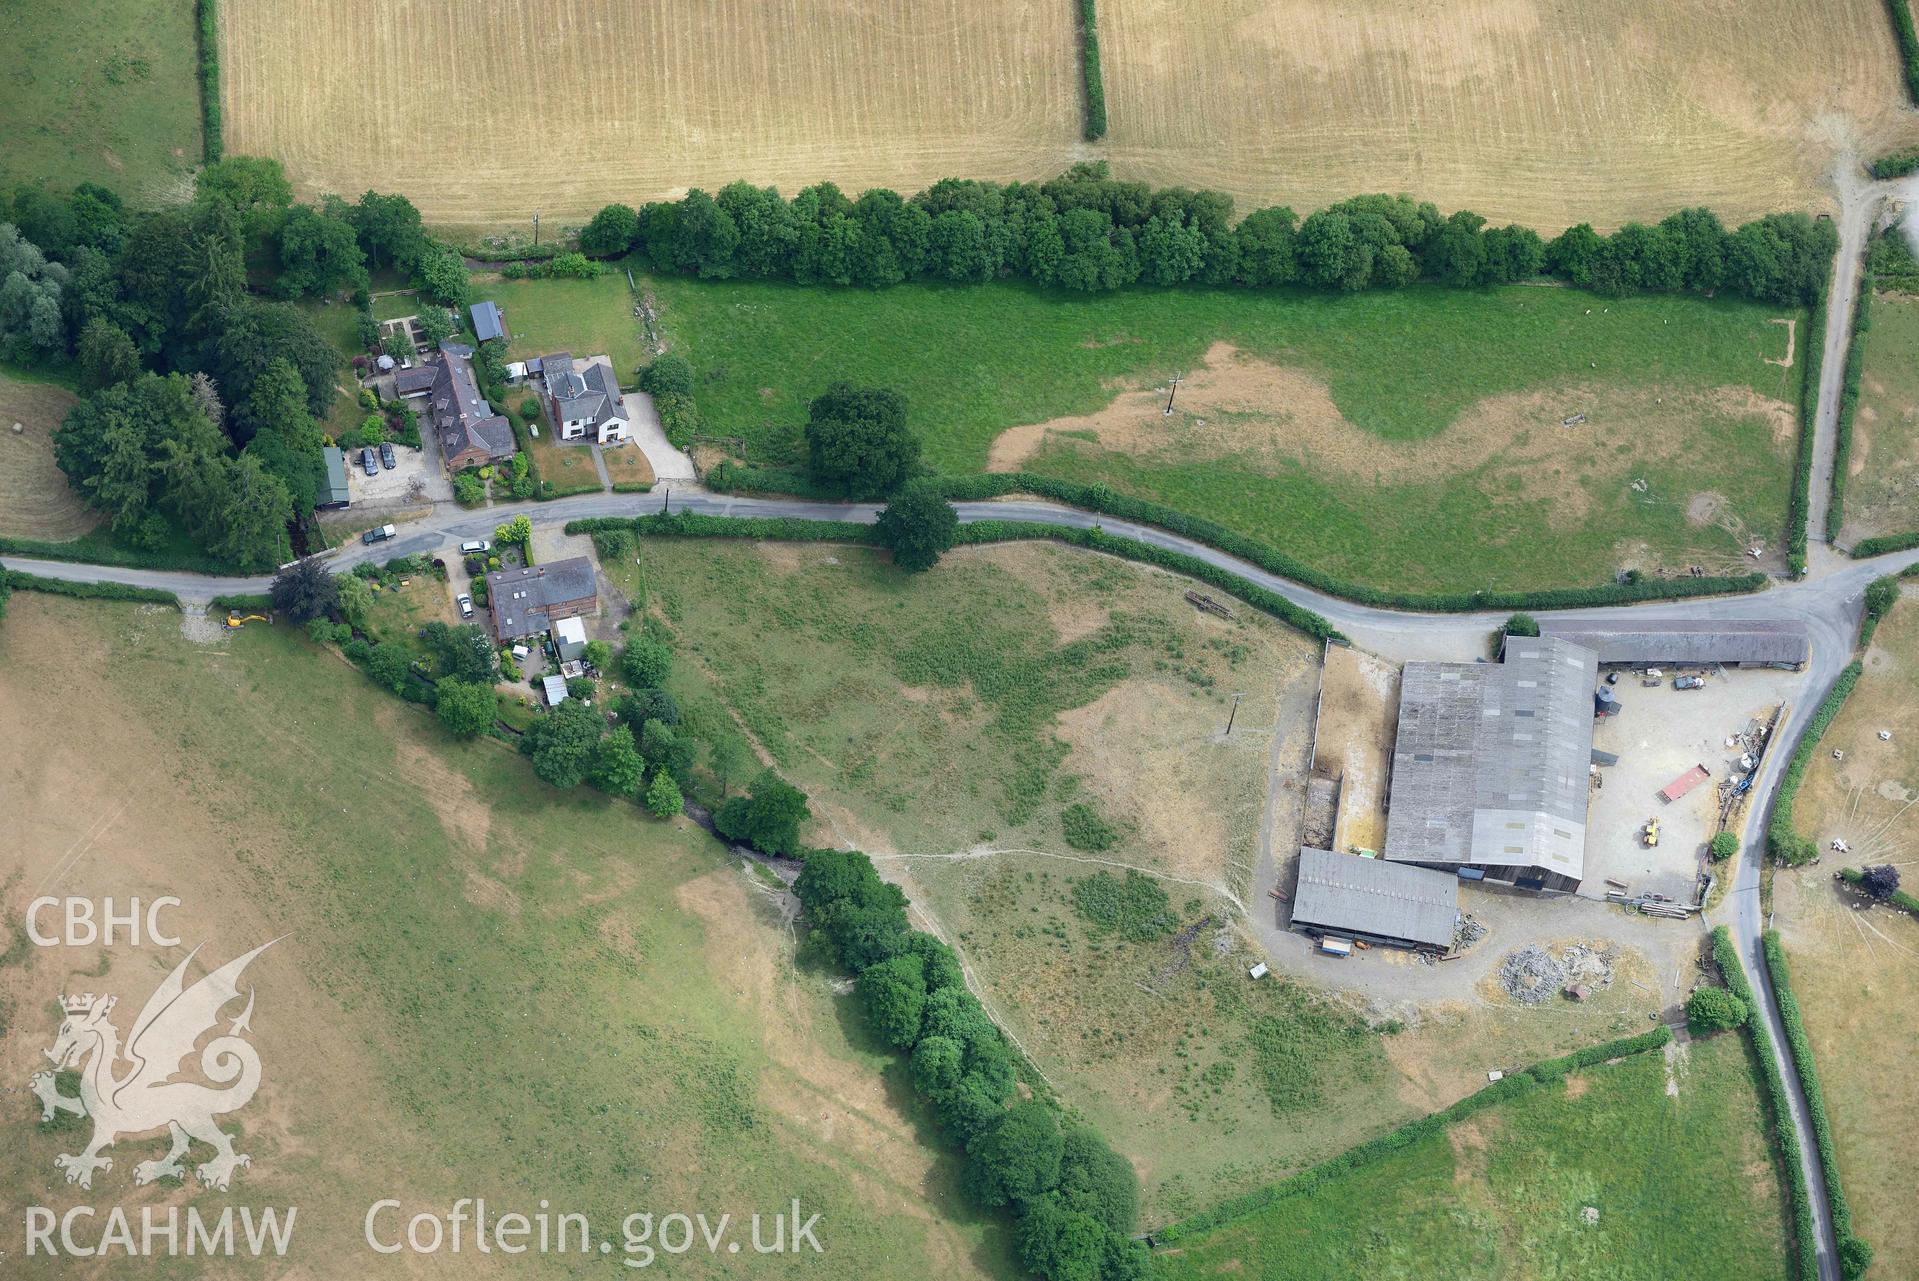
(1799, 501)
(1513, 1085)
(1908, 43)
(19, 580)
(1851, 377)
(1094, 80)
(1900, 899)
(981, 486)
(1855, 1255)
(213, 144)
(1785, 1139)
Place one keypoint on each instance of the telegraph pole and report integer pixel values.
(1233, 715)
(1174, 391)
(536, 228)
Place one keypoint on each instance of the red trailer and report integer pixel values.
(1684, 783)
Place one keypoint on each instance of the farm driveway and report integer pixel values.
(668, 462)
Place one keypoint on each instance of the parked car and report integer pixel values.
(378, 534)
(387, 459)
(368, 461)
(465, 603)
(1687, 682)
(475, 547)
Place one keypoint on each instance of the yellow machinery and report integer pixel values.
(1652, 832)
(236, 620)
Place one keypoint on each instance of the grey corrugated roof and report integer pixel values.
(1491, 760)
(486, 321)
(1686, 640)
(555, 689)
(1373, 896)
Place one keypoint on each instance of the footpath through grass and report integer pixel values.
(1681, 394)
(103, 91)
(1682, 1184)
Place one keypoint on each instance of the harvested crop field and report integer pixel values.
(1526, 111)
(644, 101)
(35, 499)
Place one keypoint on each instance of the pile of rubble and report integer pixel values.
(1531, 973)
(1467, 932)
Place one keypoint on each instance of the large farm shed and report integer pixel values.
(1643, 642)
(1490, 765)
(1347, 896)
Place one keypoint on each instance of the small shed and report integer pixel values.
(555, 689)
(333, 489)
(569, 637)
(487, 322)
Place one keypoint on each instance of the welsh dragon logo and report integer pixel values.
(131, 1091)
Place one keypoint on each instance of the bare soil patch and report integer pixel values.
(1266, 416)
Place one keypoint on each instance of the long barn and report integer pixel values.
(1627, 641)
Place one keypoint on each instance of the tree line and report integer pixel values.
(1086, 232)
(203, 387)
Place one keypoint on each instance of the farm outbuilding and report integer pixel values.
(1489, 771)
(487, 323)
(1680, 642)
(1351, 897)
(333, 493)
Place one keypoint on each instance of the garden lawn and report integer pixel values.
(1683, 1185)
(102, 91)
(586, 317)
(1685, 460)
(1882, 486)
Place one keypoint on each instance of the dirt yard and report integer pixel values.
(1485, 104)
(649, 100)
(35, 499)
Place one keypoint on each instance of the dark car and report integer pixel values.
(367, 461)
(387, 460)
(378, 534)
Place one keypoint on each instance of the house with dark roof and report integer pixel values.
(528, 601)
(1491, 763)
(470, 433)
(583, 398)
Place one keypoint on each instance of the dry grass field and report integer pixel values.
(482, 113)
(1857, 973)
(1883, 479)
(1524, 110)
(35, 499)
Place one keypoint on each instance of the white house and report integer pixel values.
(583, 396)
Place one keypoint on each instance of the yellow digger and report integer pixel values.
(1651, 832)
(236, 620)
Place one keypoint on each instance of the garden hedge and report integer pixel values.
(1854, 1253)
(1511, 1086)
(979, 487)
(251, 603)
(1089, 61)
(212, 144)
(88, 591)
(1908, 44)
(1848, 405)
(1773, 1087)
(1781, 840)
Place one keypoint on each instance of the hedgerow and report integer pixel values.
(1896, 165)
(213, 145)
(97, 551)
(1785, 1138)
(1511, 1086)
(1089, 61)
(1799, 506)
(1781, 839)
(1908, 44)
(1867, 548)
(1854, 1253)
(1899, 898)
(87, 591)
(1848, 405)
(1073, 1200)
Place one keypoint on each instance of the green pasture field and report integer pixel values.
(1683, 1186)
(1539, 505)
(1882, 492)
(586, 317)
(104, 92)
